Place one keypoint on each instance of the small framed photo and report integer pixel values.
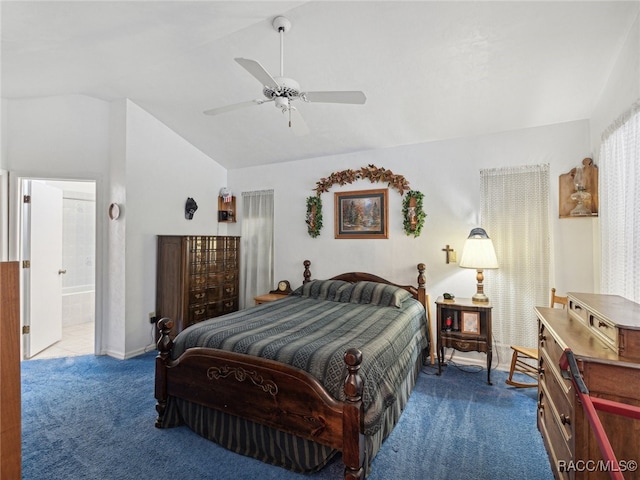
(362, 214)
(470, 323)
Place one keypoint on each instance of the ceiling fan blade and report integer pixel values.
(234, 106)
(354, 97)
(259, 72)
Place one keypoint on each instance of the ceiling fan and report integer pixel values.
(284, 91)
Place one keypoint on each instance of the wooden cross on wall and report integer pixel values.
(448, 250)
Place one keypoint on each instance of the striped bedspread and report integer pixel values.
(312, 328)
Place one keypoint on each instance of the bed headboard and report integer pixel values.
(417, 292)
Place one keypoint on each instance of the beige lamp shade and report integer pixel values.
(478, 253)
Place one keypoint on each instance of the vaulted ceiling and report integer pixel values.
(430, 70)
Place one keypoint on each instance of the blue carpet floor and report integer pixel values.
(92, 418)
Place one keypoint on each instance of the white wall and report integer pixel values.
(138, 163)
(162, 171)
(447, 172)
(65, 137)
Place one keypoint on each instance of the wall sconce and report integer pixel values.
(478, 253)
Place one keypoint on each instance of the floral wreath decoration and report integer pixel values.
(413, 214)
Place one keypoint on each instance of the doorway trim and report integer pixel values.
(15, 237)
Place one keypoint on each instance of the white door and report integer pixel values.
(42, 247)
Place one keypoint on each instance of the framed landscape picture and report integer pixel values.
(362, 214)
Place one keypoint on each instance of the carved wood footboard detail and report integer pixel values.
(266, 392)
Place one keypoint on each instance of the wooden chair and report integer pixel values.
(524, 359)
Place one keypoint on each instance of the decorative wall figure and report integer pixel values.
(190, 208)
(580, 179)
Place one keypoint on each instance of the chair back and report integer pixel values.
(558, 300)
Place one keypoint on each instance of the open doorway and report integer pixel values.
(77, 270)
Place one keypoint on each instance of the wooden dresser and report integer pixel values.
(603, 331)
(197, 278)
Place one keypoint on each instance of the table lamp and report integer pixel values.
(478, 253)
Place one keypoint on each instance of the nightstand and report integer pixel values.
(268, 297)
(464, 325)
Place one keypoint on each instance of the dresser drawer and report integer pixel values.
(215, 278)
(215, 266)
(604, 329)
(550, 346)
(559, 394)
(230, 305)
(197, 281)
(577, 310)
(197, 297)
(558, 446)
(465, 345)
(199, 268)
(229, 290)
(197, 313)
(230, 276)
(214, 293)
(222, 307)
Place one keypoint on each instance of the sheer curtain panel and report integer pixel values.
(620, 206)
(257, 245)
(515, 214)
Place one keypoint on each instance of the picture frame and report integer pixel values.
(362, 214)
(470, 323)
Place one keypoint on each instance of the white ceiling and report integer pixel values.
(430, 70)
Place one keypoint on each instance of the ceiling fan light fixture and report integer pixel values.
(282, 103)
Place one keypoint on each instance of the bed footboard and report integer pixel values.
(266, 392)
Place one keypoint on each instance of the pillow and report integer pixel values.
(378, 294)
(332, 290)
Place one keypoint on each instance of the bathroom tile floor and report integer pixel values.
(76, 340)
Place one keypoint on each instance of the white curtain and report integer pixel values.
(256, 262)
(515, 214)
(619, 209)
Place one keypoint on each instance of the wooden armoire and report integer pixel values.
(197, 278)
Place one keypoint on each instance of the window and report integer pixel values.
(256, 261)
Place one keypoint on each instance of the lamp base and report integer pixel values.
(480, 297)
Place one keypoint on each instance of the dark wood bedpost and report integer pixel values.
(164, 347)
(422, 280)
(353, 418)
(307, 272)
(423, 298)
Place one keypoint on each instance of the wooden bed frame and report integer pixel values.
(272, 393)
